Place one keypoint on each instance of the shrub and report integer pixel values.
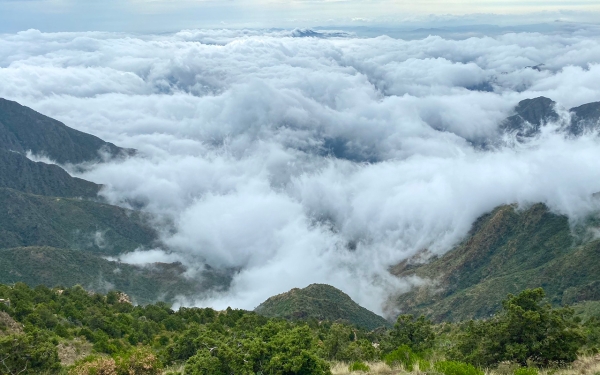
(360, 350)
(507, 368)
(203, 363)
(140, 362)
(100, 366)
(403, 356)
(424, 365)
(417, 333)
(526, 371)
(359, 366)
(33, 353)
(456, 368)
(526, 330)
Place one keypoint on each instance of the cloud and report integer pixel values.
(326, 158)
(401, 17)
(147, 257)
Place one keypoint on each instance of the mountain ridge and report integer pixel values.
(508, 250)
(19, 173)
(24, 130)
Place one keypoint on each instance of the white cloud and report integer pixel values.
(147, 257)
(297, 160)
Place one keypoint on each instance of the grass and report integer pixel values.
(586, 365)
(340, 368)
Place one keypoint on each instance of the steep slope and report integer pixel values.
(23, 129)
(35, 220)
(507, 251)
(322, 302)
(19, 173)
(60, 267)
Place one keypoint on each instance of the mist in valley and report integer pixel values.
(296, 157)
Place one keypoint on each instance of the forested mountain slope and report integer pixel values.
(507, 250)
(61, 267)
(23, 129)
(19, 173)
(54, 229)
(36, 220)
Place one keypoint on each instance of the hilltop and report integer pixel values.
(321, 302)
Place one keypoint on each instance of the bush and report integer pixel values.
(203, 363)
(359, 366)
(403, 356)
(456, 368)
(417, 333)
(360, 350)
(526, 330)
(140, 362)
(526, 371)
(33, 353)
(424, 365)
(99, 366)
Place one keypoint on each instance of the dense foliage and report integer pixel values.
(126, 339)
(526, 330)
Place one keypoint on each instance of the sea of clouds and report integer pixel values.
(293, 160)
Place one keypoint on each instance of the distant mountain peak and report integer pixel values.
(530, 115)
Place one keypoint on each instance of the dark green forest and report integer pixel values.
(73, 331)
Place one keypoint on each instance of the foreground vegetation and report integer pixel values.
(72, 331)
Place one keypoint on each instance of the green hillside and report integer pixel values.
(322, 302)
(19, 173)
(59, 267)
(23, 129)
(507, 251)
(35, 220)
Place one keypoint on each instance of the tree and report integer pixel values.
(526, 330)
(336, 341)
(27, 354)
(203, 363)
(415, 333)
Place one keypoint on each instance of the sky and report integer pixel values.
(293, 155)
(173, 15)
